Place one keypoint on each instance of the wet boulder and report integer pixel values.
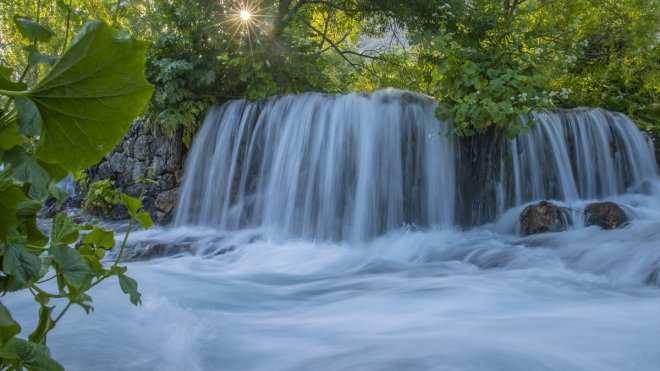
(606, 215)
(166, 201)
(543, 217)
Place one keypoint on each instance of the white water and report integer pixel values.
(318, 166)
(253, 296)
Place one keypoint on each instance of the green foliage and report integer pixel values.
(100, 197)
(52, 126)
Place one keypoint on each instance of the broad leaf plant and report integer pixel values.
(61, 124)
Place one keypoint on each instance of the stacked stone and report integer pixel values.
(144, 148)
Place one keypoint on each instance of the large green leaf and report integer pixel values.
(100, 237)
(71, 265)
(90, 96)
(8, 327)
(27, 169)
(9, 136)
(5, 80)
(65, 230)
(34, 357)
(20, 263)
(10, 196)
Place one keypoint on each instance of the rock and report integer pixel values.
(139, 170)
(158, 164)
(172, 164)
(74, 202)
(149, 203)
(118, 212)
(150, 250)
(606, 215)
(178, 176)
(134, 190)
(161, 218)
(167, 182)
(104, 171)
(141, 148)
(161, 146)
(127, 147)
(166, 201)
(117, 162)
(543, 217)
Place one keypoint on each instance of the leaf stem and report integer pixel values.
(62, 313)
(68, 26)
(36, 288)
(123, 244)
(12, 94)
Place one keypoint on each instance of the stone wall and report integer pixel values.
(143, 148)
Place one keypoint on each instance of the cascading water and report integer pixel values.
(320, 232)
(579, 154)
(356, 166)
(320, 166)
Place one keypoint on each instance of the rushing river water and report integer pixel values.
(410, 300)
(322, 233)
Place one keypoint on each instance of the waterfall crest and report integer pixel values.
(321, 166)
(350, 167)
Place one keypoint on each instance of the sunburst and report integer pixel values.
(248, 19)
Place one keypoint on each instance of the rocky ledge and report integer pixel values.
(143, 148)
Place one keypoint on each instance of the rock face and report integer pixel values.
(143, 148)
(543, 217)
(606, 215)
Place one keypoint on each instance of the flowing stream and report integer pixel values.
(319, 232)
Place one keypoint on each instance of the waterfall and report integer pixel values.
(579, 154)
(351, 167)
(321, 166)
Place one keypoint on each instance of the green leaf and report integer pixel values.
(101, 238)
(29, 118)
(70, 11)
(20, 263)
(84, 301)
(26, 169)
(11, 196)
(33, 233)
(5, 80)
(9, 136)
(131, 203)
(35, 57)
(144, 219)
(129, 286)
(64, 231)
(44, 325)
(71, 265)
(6, 72)
(8, 327)
(34, 357)
(90, 97)
(32, 30)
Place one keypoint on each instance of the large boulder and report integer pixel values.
(543, 217)
(166, 201)
(606, 215)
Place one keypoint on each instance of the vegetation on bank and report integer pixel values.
(486, 61)
(61, 111)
